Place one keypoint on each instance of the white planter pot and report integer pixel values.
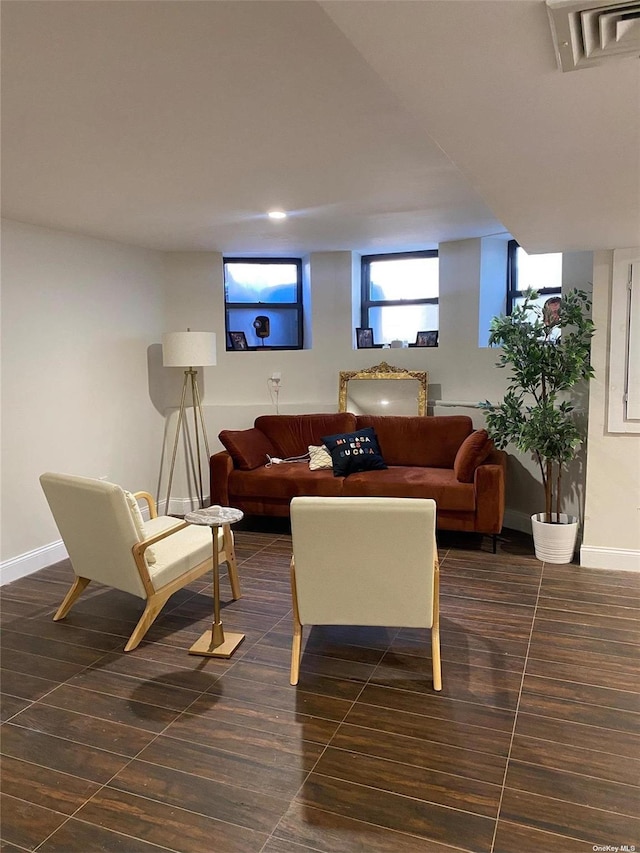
(554, 543)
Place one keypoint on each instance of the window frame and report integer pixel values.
(261, 307)
(513, 293)
(366, 303)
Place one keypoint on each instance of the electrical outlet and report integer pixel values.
(276, 376)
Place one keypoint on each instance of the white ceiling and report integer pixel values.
(380, 125)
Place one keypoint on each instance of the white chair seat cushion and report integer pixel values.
(170, 559)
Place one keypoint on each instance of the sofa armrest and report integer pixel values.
(489, 485)
(220, 468)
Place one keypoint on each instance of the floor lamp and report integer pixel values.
(186, 349)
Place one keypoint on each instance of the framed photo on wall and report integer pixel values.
(364, 338)
(427, 339)
(238, 340)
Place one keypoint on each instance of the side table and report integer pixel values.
(215, 643)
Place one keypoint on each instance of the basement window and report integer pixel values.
(263, 300)
(542, 273)
(400, 295)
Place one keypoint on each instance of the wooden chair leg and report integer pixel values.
(155, 603)
(232, 564)
(296, 645)
(76, 589)
(435, 629)
(296, 649)
(435, 654)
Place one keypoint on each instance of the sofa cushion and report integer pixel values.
(413, 482)
(283, 482)
(354, 451)
(248, 448)
(473, 451)
(430, 442)
(291, 435)
(319, 458)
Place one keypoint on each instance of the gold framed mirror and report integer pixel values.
(388, 396)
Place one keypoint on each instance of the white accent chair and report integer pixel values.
(109, 541)
(365, 561)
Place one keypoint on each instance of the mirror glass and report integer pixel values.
(383, 390)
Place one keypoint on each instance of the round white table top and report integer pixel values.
(214, 516)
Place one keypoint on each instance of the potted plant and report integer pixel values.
(547, 350)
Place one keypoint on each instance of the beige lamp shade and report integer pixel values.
(189, 349)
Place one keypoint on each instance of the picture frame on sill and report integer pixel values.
(427, 339)
(238, 341)
(364, 338)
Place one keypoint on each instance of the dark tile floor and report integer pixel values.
(533, 744)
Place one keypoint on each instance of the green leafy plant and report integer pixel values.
(536, 415)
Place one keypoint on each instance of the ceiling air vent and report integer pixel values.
(594, 31)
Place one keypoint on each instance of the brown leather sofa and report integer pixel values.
(428, 457)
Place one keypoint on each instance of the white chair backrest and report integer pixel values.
(364, 561)
(97, 529)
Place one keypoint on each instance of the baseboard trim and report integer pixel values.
(26, 564)
(181, 506)
(619, 559)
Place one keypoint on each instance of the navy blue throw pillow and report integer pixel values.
(354, 451)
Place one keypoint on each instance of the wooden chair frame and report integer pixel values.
(296, 646)
(157, 598)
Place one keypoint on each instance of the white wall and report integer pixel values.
(78, 317)
(612, 507)
(195, 299)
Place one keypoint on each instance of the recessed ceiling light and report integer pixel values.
(277, 214)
